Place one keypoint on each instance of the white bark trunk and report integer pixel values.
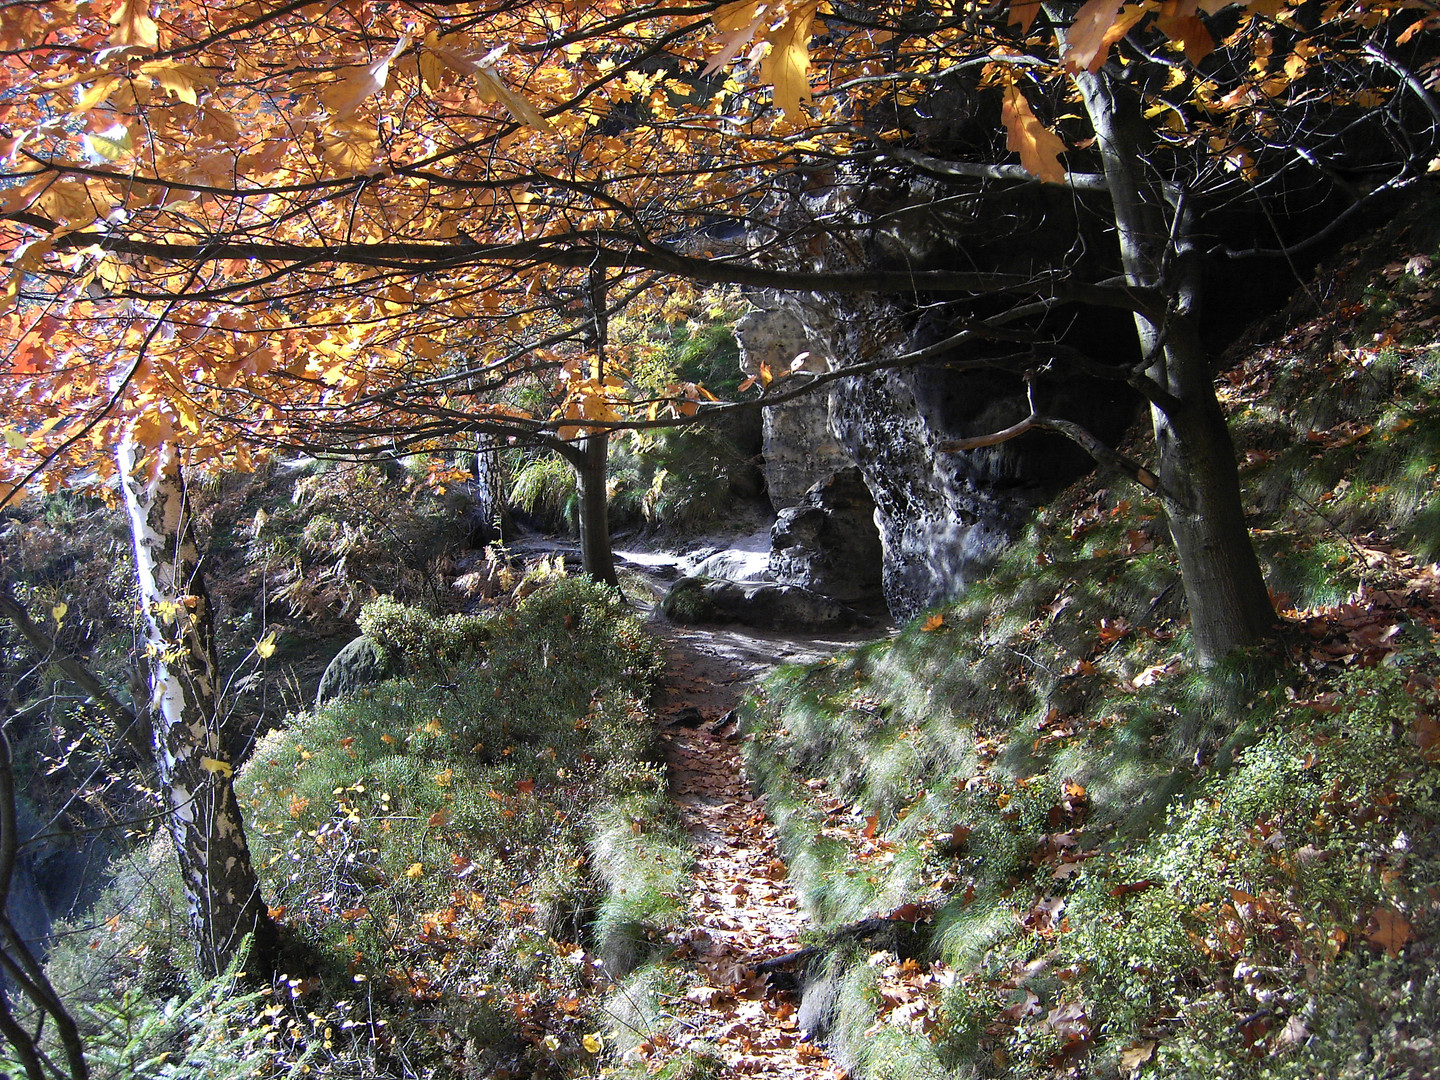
(203, 816)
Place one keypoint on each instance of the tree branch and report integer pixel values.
(130, 726)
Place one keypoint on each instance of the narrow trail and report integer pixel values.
(743, 911)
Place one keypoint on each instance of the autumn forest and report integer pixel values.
(778, 537)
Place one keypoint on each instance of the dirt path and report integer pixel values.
(743, 911)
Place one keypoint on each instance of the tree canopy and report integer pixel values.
(231, 226)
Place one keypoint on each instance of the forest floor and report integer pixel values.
(743, 910)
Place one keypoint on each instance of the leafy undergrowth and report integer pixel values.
(1105, 862)
(455, 857)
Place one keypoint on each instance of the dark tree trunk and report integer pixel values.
(1230, 607)
(221, 890)
(592, 471)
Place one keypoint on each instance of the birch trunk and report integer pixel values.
(221, 890)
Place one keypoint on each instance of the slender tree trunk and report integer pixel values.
(592, 470)
(491, 518)
(203, 815)
(1230, 607)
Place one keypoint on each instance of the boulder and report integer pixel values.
(828, 542)
(764, 606)
(360, 663)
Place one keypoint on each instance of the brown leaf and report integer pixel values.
(1389, 930)
(1427, 736)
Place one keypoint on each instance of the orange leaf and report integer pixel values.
(871, 824)
(1038, 147)
(525, 787)
(357, 84)
(133, 26)
(1177, 21)
(787, 65)
(934, 622)
(1097, 26)
(1132, 887)
(439, 818)
(1023, 12)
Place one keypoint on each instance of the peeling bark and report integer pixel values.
(221, 890)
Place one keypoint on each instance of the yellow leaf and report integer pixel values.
(351, 147)
(593, 1042)
(185, 81)
(1038, 147)
(15, 439)
(133, 25)
(265, 647)
(97, 94)
(442, 779)
(787, 66)
(58, 612)
(415, 870)
(358, 84)
(215, 765)
(111, 144)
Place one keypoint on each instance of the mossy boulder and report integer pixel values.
(361, 663)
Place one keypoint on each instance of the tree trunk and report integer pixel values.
(592, 472)
(1230, 607)
(221, 890)
(489, 517)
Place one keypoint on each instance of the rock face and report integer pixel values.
(828, 542)
(765, 606)
(943, 519)
(798, 446)
(360, 663)
(53, 878)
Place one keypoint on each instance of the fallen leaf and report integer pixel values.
(1389, 930)
(1135, 1055)
(1133, 887)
